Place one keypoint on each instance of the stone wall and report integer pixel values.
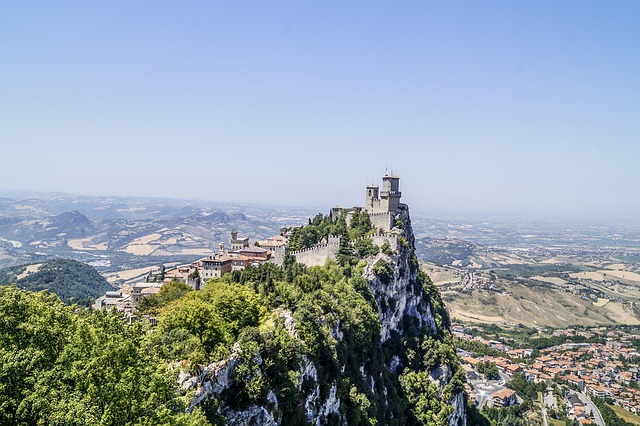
(382, 220)
(277, 256)
(380, 239)
(318, 255)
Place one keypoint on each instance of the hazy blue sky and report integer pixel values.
(479, 106)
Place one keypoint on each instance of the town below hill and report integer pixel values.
(583, 375)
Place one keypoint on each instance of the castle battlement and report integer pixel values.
(333, 240)
(370, 236)
(316, 247)
(385, 201)
(379, 214)
(382, 207)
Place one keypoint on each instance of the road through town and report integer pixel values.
(597, 417)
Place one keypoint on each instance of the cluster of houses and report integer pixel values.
(240, 255)
(598, 370)
(604, 370)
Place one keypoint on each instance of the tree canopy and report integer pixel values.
(69, 279)
(61, 365)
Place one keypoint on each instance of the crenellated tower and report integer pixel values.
(387, 200)
(372, 197)
(390, 194)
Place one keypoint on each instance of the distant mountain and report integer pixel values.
(73, 224)
(216, 217)
(122, 233)
(63, 226)
(67, 278)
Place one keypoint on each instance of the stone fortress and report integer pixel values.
(382, 207)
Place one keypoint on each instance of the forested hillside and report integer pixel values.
(60, 365)
(362, 340)
(69, 279)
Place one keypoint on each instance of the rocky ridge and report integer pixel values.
(394, 283)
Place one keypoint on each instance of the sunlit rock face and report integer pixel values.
(397, 297)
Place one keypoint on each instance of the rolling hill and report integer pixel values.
(69, 279)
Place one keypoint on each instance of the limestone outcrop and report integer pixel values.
(394, 284)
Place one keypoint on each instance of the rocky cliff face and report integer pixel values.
(399, 297)
(395, 292)
(364, 387)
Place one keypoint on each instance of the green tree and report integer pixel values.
(33, 328)
(423, 395)
(214, 315)
(59, 365)
(169, 292)
(365, 248)
(200, 319)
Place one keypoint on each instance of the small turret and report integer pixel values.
(372, 196)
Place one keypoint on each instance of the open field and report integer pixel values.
(608, 274)
(617, 266)
(551, 280)
(620, 313)
(129, 275)
(31, 269)
(625, 415)
(541, 285)
(140, 249)
(146, 239)
(440, 275)
(474, 317)
(536, 307)
(79, 243)
(86, 244)
(623, 275)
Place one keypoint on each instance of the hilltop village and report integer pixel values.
(382, 206)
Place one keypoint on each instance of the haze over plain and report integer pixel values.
(480, 107)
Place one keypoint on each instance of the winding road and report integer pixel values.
(597, 417)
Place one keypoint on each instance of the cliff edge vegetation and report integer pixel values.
(362, 340)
